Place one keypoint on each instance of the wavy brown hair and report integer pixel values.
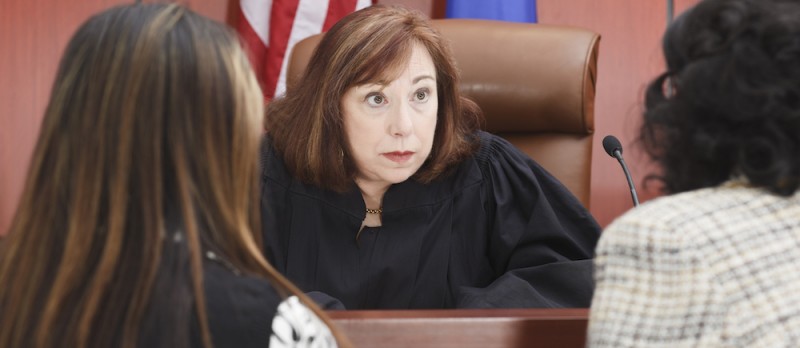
(366, 46)
(146, 158)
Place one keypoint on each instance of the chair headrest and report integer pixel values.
(526, 77)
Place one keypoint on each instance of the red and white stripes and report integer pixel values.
(270, 28)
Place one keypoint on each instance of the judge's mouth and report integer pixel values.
(399, 156)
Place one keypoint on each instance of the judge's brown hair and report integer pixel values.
(367, 46)
(146, 159)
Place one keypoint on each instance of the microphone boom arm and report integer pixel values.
(618, 156)
(614, 149)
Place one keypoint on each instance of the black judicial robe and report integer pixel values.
(497, 232)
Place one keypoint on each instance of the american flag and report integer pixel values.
(270, 28)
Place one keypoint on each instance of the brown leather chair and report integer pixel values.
(535, 84)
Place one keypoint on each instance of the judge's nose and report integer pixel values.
(400, 121)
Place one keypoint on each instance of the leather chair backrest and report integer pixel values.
(535, 84)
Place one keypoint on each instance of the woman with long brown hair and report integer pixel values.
(136, 225)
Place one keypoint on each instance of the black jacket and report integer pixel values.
(246, 311)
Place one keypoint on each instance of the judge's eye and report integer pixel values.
(376, 99)
(422, 95)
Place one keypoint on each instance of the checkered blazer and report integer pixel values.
(717, 267)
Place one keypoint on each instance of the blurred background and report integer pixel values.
(34, 33)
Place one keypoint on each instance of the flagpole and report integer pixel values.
(670, 17)
(670, 11)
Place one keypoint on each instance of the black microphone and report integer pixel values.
(614, 149)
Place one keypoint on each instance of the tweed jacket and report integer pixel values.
(715, 267)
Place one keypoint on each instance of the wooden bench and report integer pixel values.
(465, 328)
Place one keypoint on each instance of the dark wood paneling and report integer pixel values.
(439, 8)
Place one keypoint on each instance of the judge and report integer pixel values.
(379, 191)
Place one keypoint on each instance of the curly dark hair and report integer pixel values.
(728, 104)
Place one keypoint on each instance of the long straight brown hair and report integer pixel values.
(146, 158)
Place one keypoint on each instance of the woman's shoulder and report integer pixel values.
(239, 308)
(247, 311)
(498, 153)
(271, 163)
(492, 145)
(699, 217)
(687, 207)
(501, 161)
(666, 213)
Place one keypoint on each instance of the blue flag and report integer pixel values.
(505, 10)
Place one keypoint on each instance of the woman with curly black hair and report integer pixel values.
(716, 262)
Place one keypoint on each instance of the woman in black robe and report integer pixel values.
(379, 191)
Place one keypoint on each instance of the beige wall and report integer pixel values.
(33, 33)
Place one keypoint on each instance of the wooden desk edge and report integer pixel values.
(526, 313)
(484, 328)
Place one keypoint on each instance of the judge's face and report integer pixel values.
(390, 124)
